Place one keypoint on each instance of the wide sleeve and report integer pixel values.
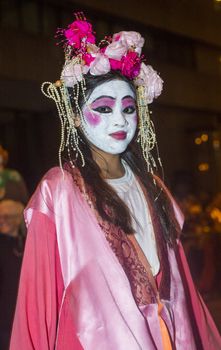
(40, 290)
(208, 332)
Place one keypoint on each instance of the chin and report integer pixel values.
(117, 151)
(113, 148)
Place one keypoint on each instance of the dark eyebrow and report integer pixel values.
(128, 96)
(104, 96)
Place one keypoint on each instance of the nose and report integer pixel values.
(119, 118)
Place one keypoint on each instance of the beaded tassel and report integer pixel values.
(69, 136)
(146, 135)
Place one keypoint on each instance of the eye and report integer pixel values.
(129, 109)
(103, 109)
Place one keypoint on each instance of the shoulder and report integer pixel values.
(55, 188)
(56, 175)
(55, 182)
(56, 178)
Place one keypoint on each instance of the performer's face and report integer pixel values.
(110, 117)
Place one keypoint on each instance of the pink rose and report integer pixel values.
(82, 26)
(71, 74)
(115, 64)
(131, 65)
(130, 40)
(78, 30)
(100, 65)
(152, 82)
(88, 58)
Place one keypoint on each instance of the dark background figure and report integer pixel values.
(12, 184)
(11, 250)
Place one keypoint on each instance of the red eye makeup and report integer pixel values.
(128, 102)
(103, 102)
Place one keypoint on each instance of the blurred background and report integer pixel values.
(183, 43)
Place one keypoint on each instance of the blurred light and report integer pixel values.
(217, 5)
(216, 144)
(206, 229)
(195, 209)
(198, 141)
(216, 214)
(204, 137)
(203, 167)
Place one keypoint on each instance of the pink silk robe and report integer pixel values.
(74, 294)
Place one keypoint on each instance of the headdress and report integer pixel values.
(121, 52)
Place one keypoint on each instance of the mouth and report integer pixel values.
(119, 135)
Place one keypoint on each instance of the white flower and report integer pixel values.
(152, 82)
(116, 50)
(130, 40)
(72, 73)
(100, 65)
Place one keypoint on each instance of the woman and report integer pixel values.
(103, 267)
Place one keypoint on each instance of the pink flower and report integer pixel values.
(130, 40)
(100, 65)
(152, 82)
(71, 74)
(77, 31)
(88, 58)
(115, 50)
(115, 65)
(131, 65)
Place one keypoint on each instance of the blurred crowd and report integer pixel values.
(201, 238)
(13, 198)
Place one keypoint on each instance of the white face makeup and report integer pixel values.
(110, 118)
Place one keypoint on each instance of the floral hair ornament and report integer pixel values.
(122, 53)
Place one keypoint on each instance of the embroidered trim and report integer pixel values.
(141, 279)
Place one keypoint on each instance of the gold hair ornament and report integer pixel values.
(146, 134)
(69, 135)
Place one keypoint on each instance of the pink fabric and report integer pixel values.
(40, 292)
(74, 289)
(209, 334)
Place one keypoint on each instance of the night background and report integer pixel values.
(183, 43)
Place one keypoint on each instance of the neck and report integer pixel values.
(109, 164)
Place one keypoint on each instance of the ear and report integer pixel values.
(77, 121)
